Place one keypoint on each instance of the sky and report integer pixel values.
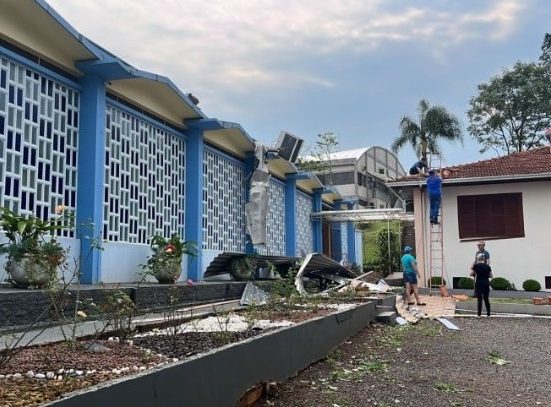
(351, 67)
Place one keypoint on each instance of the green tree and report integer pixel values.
(512, 110)
(545, 57)
(434, 123)
(320, 160)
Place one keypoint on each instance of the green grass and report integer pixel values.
(507, 300)
(370, 251)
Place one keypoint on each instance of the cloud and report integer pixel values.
(241, 46)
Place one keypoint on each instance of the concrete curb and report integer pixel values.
(528, 309)
(220, 377)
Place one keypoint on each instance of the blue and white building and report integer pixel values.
(131, 154)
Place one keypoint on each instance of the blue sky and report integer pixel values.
(352, 67)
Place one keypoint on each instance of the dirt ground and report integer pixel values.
(427, 365)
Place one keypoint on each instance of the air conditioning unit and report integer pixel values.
(289, 146)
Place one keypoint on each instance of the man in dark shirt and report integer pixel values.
(482, 274)
(419, 167)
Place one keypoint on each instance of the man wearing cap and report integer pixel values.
(481, 245)
(411, 273)
(434, 188)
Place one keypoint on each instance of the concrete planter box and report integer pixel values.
(220, 377)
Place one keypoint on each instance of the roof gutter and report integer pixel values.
(474, 180)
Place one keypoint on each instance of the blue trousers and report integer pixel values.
(434, 200)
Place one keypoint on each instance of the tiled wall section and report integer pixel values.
(223, 202)
(38, 142)
(304, 223)
(275, 222)
(144, 179)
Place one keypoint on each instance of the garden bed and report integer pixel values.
(45, 373)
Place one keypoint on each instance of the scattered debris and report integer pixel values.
(494, 357)
(252, 295)
(448, 324)
(401, 321)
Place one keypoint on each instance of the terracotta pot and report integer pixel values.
(538, 300)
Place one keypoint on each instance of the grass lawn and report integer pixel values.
(507, 300)
(370, 250)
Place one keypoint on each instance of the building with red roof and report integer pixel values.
(504, 201)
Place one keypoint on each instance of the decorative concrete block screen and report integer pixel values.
(144, 179)
(223, 202)
(275, 222)
(38, 142)
(344, 240)
(304, 223)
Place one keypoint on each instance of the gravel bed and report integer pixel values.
(427, 365)
(80, 369)
(190, 343)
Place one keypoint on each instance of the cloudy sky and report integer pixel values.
(352, 67)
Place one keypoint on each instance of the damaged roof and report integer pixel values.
(535, 163)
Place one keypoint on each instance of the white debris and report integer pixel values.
(30, 374)
(221, 323)
(50, 375)
(40, 376)
(17, 375)
(79, 372)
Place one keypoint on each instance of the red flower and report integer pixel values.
(170, 248)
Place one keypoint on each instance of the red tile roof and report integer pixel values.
(531, 162)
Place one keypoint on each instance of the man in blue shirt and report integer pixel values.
(419, 167)
(482, 250)
(409, 264)
(434, 188)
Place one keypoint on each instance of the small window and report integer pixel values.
(548, 282)
(382, 171)
(494, 216)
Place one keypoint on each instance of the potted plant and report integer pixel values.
(33, 253)
(165, 262)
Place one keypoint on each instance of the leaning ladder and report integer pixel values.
(436, 247)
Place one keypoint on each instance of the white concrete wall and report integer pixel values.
(515, 259)
(121, 262)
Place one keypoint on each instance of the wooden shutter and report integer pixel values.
(497, 216)
(466, 216)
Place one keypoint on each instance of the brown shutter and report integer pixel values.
(498, 216)
(466, 216)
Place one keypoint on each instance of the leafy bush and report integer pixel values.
(388, 251)
(531, 285)
(465, 283)
(500, 283)
(436, 281)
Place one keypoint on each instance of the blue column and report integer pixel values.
(249, 168)
(194, 198)
(351, 239)
(91, 146)
(317, 233)
(290, 217)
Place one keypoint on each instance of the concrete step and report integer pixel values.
(386, 317)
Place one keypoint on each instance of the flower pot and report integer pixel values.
(538, 300)
(27, 272)
(168, 272)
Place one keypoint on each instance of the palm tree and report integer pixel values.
(435, 123)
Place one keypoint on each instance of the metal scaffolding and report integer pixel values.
(363, 215)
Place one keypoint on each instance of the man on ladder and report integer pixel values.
(434, 188)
